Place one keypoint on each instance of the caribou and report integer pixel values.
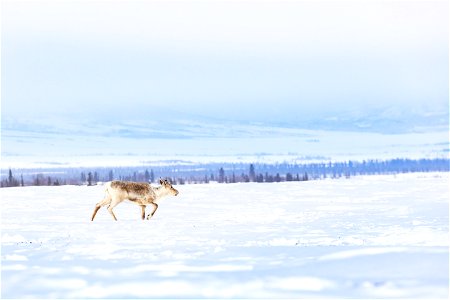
(142, 194)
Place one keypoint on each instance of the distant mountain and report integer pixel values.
(162, 123)
(387, 120)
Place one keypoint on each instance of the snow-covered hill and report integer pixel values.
(133, 137)
(364, 237)
(69, 142)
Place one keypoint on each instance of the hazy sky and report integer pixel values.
(275, 59)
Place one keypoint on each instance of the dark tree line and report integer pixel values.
(224, 173)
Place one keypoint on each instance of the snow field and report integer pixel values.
(364, 237)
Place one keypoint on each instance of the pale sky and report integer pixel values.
(277, 60)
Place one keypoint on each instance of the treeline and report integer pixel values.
(185, 173)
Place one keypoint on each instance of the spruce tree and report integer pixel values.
(221, 175)
(89, 179)
(10, 178)
(251, 173)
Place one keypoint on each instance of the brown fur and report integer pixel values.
(137, 188)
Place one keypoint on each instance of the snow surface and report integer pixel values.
(364, 237)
